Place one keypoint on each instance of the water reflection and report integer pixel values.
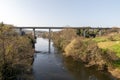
(49, 47)
(82, 73)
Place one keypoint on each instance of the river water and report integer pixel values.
(54, 66)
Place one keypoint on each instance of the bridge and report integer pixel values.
(49, 28)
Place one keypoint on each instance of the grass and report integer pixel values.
(116, 48)
(107, 44)
(110, 37)
(111, 45)
(100, 39)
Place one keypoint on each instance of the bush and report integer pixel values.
(8, 71)
(14, 50)
(89, 53)
(62, 38)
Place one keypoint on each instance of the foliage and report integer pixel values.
(112, 30)
(88, 52)
(15, 49)
(62, 39)
(114, 37)
(117, 64)
(88, 32)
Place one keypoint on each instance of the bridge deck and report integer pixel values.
(61, 28)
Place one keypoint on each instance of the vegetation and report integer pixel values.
(101, 51)
(16, 53)
(62, 39)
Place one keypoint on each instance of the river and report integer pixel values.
(54, 66)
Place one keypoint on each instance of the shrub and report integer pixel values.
(88, 52)
(62, 38)
(14, 49)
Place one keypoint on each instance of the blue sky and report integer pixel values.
(102, 13)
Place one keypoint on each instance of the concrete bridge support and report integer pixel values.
(84, 32)
(49, 47)
(34, 33)
(20, 31)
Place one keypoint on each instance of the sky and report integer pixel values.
(94, 13)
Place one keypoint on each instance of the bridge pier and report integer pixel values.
(49, 48)
(84, 32)
(34, 33)
(20, 31)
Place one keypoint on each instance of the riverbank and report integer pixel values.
(89, 51)
(16, 54)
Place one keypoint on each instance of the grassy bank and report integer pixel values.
(112, 43)
(16, 54)
(102, 52)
